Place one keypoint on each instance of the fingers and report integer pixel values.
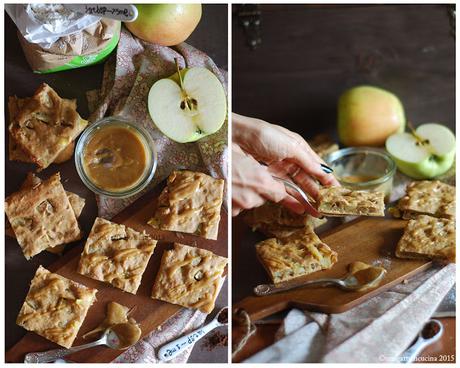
(307, 183)
(252, 184)
(293, 204)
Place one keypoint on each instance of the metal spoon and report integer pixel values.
(422, 342)
(108, 338)
(350, 282)
(175, 347)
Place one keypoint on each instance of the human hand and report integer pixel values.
(253, 185)
(286, 153)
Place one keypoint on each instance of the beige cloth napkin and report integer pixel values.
(128, 76)
(377, 331)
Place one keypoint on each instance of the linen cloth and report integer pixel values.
(376, 331)
(128, 75)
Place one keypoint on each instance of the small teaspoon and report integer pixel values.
(350, 282)
(108, 338)
(422, 342)
(175, 347)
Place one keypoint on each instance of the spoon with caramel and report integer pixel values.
(361, 277)
(119, 337)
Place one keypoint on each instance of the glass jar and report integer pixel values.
(363, 168)
(139, 135)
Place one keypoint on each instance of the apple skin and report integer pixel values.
(165, 24)
(367, 115)
(434, 164)
(427, 169)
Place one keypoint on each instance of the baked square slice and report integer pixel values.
(55, 307)
(299, 254)
(116, 254)
(76, 202)
(190, 203)
(427, 197)
(190, 277)
(275, 220)
(41, 216)
(15, 105)
(340, 201)
(428, 237)
(45, 126)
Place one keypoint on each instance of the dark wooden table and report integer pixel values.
(210, 36)
(309, 55)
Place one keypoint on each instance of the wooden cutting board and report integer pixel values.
(370, 240)
(149, 313)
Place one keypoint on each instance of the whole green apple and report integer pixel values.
(165, 24)
(367, 115)
(427, 152)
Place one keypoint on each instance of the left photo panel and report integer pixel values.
(116, 210)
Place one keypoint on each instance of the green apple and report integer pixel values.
(368, 115)
(427, 152)
(165, 24)
(189, 105)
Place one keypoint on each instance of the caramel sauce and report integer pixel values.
(115, 158)
(366, 274)
(117, 320)
(127, 333)
(358, 178)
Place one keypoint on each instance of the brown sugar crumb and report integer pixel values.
(214, 340)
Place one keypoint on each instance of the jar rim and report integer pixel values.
(344, 152)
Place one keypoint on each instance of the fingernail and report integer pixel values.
(326, 169)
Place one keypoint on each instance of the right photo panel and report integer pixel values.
(343, 183)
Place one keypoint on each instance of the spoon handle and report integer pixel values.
(268, 289)
(410, 354)
(175, 347)
(52, 355)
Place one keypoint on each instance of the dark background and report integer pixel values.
(211, 36)
(310, 54)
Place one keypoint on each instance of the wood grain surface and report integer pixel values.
(149, 313)
(369, 240)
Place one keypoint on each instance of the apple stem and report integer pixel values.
(188, 102)
(420, 140)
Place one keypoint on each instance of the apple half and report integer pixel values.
(189, 106)
(427, 152)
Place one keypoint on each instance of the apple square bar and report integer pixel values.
(116, 254)
(190, 203)
(190, 277)
(427, 197)
(340, 201)
(45, 125)
(299, 254)
(428, 237)
(42, 217)
(55, 307)
(275, 220)
(76, 202)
